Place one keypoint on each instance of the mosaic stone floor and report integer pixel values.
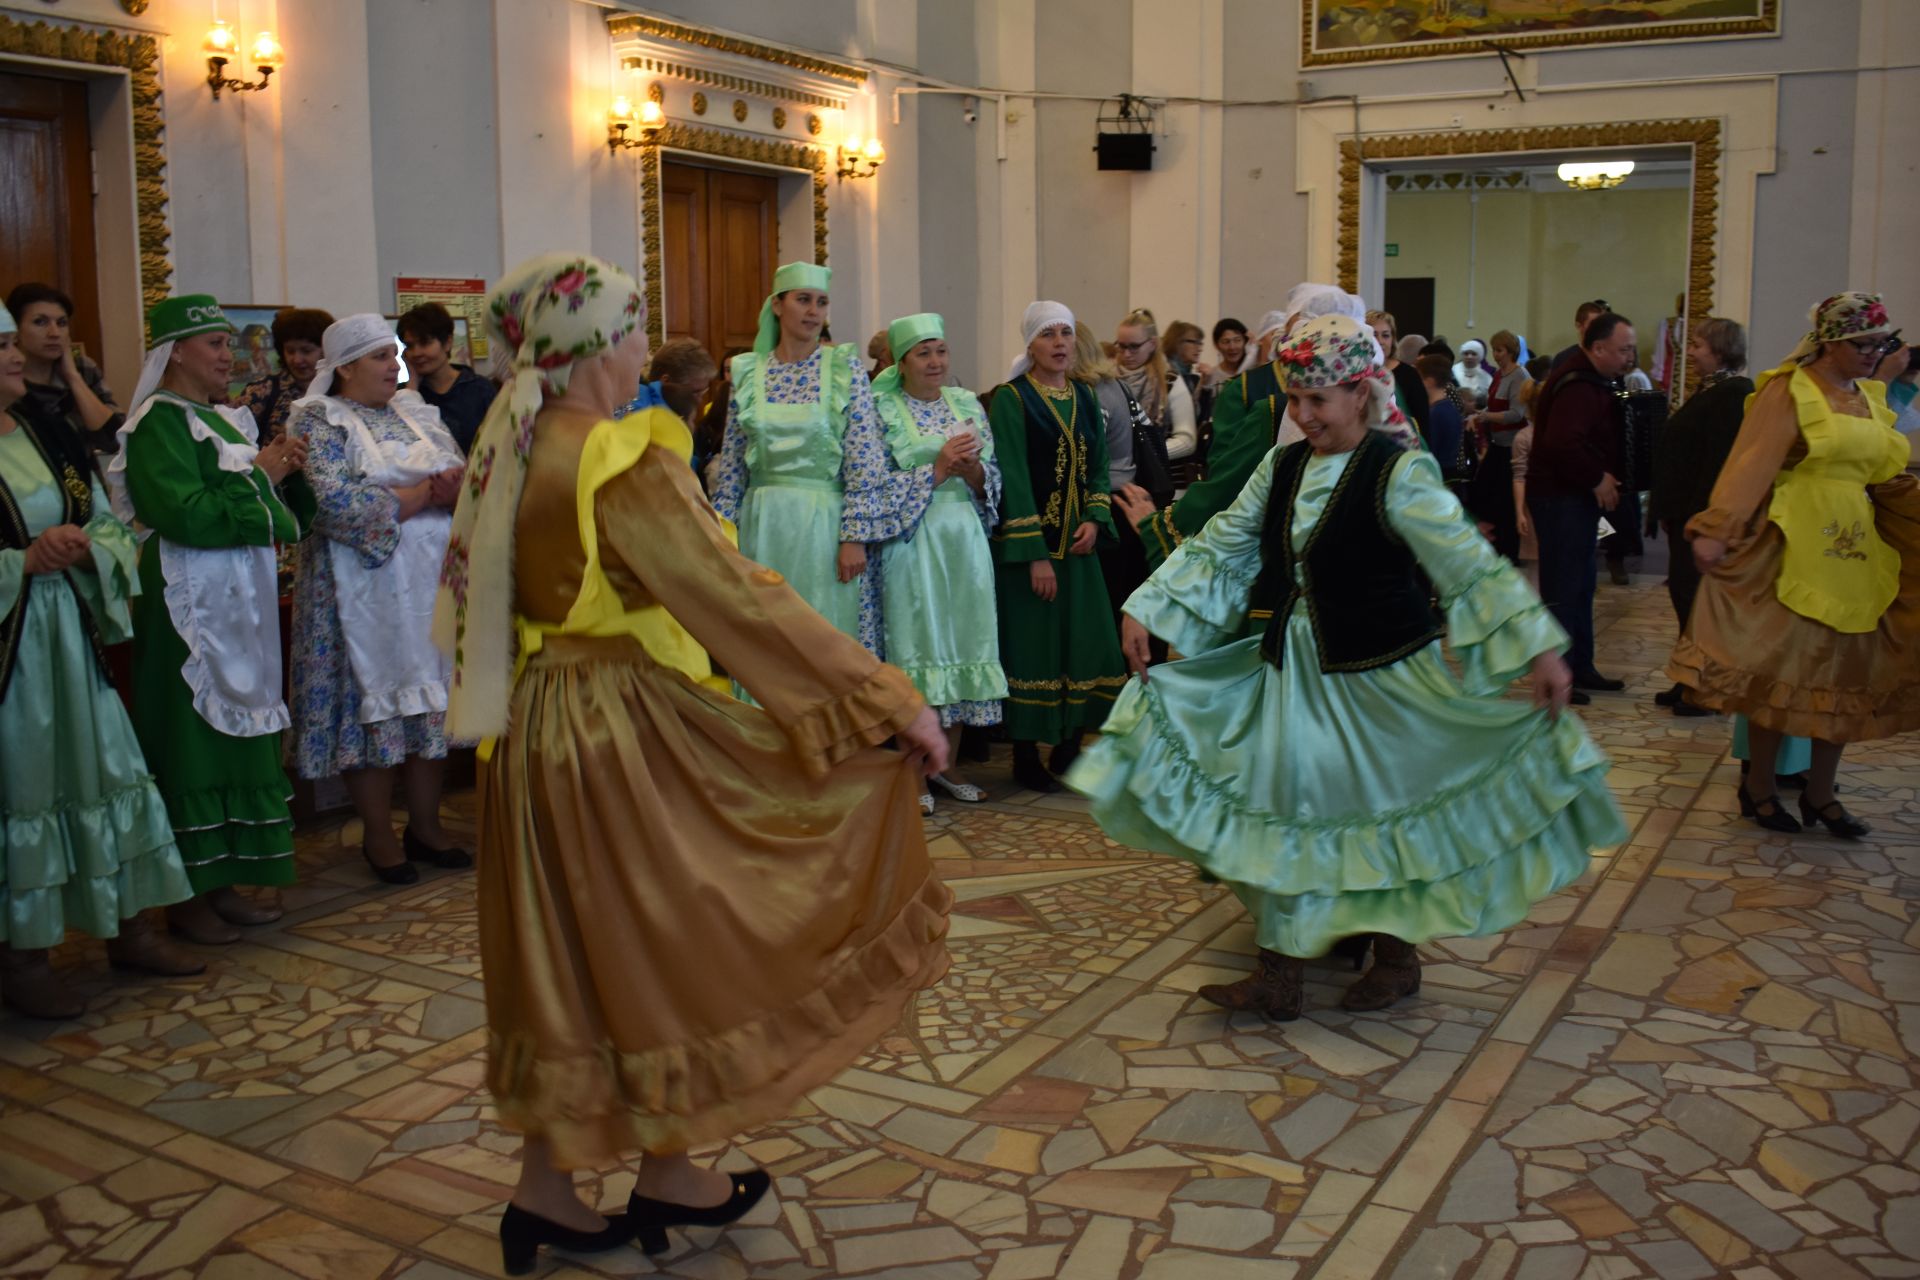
(1696, 1062)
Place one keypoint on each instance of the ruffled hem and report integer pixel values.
(211, 701)
(865, 716)
(46, 848)
(1498, 633)
(1195, 601)
(971, 714)
(96, 905)
(1148, 791)
(595, 1107)
(964, 682)
(425, 699)
(1795, 708)
(236, 835)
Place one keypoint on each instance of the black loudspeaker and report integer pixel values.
(1126, 151)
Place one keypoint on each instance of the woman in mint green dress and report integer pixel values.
(937, 576)
(1314, 750)
(84, 839)
(802, 469)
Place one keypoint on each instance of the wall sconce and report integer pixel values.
(621, 116)
(223, 43)
(860, 159)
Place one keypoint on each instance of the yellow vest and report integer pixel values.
(1836, 569)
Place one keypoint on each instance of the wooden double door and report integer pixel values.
(719, 245)
(46, 195)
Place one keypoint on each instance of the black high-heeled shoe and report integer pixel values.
(1769, 813)
(522, 1234)
(1846, 826)
(1029, 772)
(651, 1218)
(418, 850)
(398, 873)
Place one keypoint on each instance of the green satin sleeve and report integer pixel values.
(1197, 600)
(110, 577)
(1496, 625)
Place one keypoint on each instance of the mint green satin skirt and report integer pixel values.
(1389, 801)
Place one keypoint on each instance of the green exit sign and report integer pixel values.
(1393, 251)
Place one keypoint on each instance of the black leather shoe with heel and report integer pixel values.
(1769, 813)
(522, 1234)
(1833, 816)
(399, 873)
(651, 1218)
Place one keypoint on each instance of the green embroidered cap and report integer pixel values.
(183, 317)
(903, 333)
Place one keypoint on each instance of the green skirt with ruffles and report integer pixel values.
(1390, 801)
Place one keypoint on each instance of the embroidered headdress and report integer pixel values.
(1337, 351)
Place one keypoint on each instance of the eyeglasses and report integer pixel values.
(1141, 345)
(1867, 346)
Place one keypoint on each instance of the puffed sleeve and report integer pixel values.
(109, 578)
(867, 512)
(1767, 436)
(829, 695)
(1197, 600)
(1183, 430)
(360, 516)
(1495, 623)
(180, 493)
(1019, 538)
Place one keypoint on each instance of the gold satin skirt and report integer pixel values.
(682, 930)
(1744, 651)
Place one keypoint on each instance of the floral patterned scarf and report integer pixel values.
(545, 315)
(1335, 350)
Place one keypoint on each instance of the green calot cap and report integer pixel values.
(907, 330)
(183, 317)
(794, 275)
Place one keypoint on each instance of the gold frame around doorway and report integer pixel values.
(1703, 136)
(140, 56)
(724, 146)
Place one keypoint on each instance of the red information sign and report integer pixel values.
(466, 299)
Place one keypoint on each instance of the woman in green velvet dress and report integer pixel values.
(1057, 641)
(84, 840)
(208, 691)
(1330, 767)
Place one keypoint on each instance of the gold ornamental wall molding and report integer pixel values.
(640, 24)
(724, 145)
(648, 64)
(140, 56)
(1703, 136)
(1764, 23)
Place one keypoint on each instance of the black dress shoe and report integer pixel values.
(1833, 816)
(1029, 772)
(1768, 813)
(1578, 699)
(418, 850)
(522, 1234)
(1668, 698)
(651, 1218)
(398, 873)
(1597, 683)
(1685, 708)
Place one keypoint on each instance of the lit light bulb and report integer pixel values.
(853, 145)
(873, 151)
(621, 109)
(651, 115)
(266, 50)
(221, 39)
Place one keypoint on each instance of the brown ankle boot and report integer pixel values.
(29, 987)
(1395, 974)
(197, 922)
(236, 908)
(1273, 989)
(141, 948)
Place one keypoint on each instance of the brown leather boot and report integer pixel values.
(141, 948)
(1395, 974)
(28, 986)
(197, 922)
(236, 908)
(1272, 990)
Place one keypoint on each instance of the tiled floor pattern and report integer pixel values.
(1696, 1062)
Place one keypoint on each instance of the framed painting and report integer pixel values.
(1342, 32)
(253, 353)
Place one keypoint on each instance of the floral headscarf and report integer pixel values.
(1335, 351)
(547, 314)
(1844, 315)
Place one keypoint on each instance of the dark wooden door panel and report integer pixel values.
(683, 248)
(719, 234)
(46, 194)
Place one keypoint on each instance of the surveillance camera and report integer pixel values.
(969, 110)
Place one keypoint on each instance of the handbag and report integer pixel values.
(1152, 470)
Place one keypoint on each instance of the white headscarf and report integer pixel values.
(1272, 322)
(345, 341)
(1038, 316)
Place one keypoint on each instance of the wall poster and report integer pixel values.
(466, 299)
(1337, 32)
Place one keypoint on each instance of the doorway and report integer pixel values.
(1409, 300)
(46, 195)
(719, 245)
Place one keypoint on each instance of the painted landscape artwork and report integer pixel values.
(1345, 31)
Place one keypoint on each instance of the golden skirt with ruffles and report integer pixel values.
(682, 930)
(1744, 651)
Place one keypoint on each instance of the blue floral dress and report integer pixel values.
(866, 493)
(328, 737)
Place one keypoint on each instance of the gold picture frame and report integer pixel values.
(1344, 32)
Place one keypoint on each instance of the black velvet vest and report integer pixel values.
(1365, 595)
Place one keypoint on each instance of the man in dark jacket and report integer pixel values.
(1578, 463)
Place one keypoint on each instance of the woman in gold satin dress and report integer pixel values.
(692, 910)
(1810, 551)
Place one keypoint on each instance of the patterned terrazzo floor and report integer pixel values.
(1696, 1062)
